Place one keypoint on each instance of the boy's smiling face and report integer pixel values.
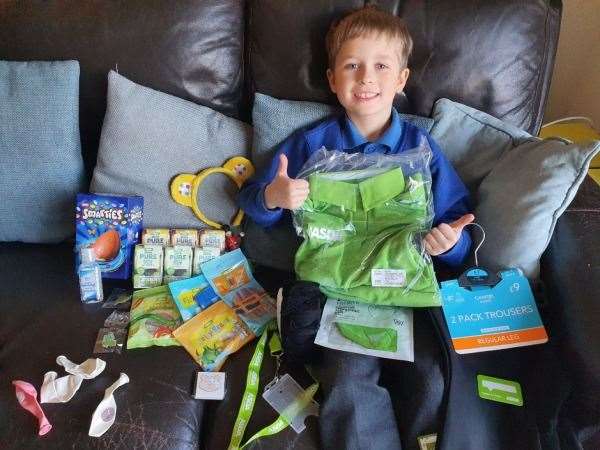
(366, 77)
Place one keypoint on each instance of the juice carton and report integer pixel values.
(111, 225)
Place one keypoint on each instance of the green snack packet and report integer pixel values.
(369, 337)
(153, 316)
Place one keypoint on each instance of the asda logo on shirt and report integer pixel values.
(325, 234)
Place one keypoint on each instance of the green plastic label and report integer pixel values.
(499, 390)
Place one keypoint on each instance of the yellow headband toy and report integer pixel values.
(184, 187)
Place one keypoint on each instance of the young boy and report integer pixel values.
(368, 53)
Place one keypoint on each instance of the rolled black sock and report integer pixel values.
(301, 308)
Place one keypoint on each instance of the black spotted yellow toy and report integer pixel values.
(185, 186)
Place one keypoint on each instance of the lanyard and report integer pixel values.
(251, 392)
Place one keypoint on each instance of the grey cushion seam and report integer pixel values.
(537, 91)
(541, 71)
(514, 142)
(579, 210)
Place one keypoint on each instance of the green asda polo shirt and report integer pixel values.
(359, 231)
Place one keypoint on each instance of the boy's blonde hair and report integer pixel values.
(368, 21)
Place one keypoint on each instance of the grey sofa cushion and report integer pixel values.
(149, 137)
(41, 168)
(521, 199)
(520, 184)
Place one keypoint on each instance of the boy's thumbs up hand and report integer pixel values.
(285, 192)
(283, 166)
(443, 237)
(462, 222)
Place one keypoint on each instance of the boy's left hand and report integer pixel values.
(443, 237)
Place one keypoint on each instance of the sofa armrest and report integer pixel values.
(571, 275)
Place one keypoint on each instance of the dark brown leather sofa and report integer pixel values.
(218, 53)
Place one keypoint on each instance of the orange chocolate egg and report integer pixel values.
(107, 245)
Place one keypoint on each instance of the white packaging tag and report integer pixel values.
(210, 386)
(59, 390)
(388, 278)
(106, 411)
(427, 442)
(286, 397)
(88, 369)
(393, 322)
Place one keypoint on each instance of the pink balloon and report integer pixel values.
(27, 397)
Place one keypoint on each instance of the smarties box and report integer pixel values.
(111, 225)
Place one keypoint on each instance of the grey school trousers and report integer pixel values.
(378, 404)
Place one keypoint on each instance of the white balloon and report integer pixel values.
(88, 369)
(59, 390)
(106, 411)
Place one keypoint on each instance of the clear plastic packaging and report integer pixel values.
(119, 299)
(90, 277)
(117, 319)
(110, 340)
(363, 224)
(231, 278)
(382, 331)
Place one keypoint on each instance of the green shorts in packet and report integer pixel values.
(153, 318)
(212, 335)
(375, 330)
(232, 280)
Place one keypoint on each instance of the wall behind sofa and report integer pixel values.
(575, 88)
